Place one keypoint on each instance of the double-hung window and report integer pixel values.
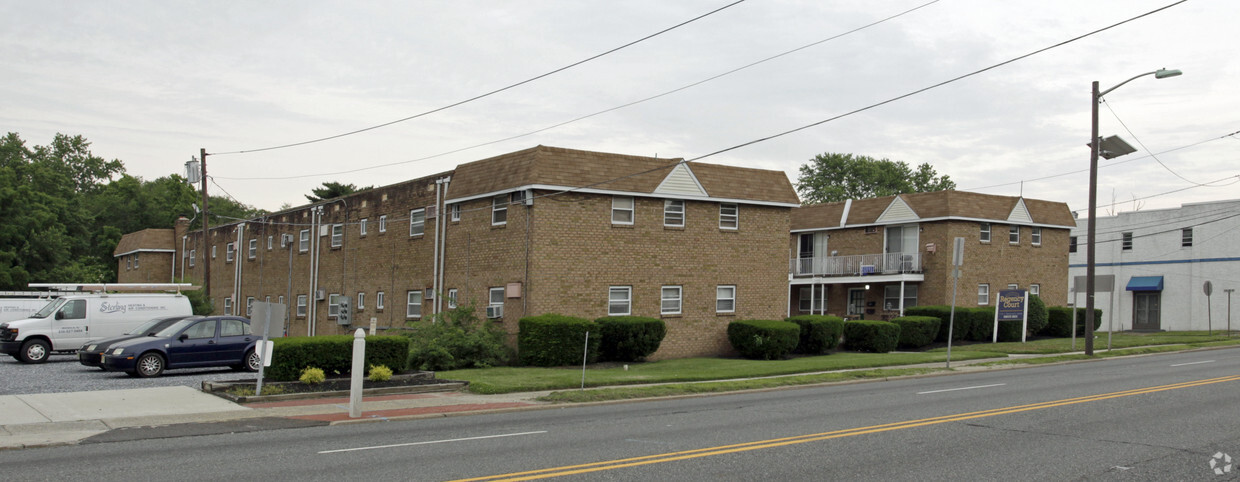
(983, 294)
(619, 300)
(193, 254)
(622, 210)
(361, 301)
(333, 305)
(729, 216)
(984, 232)
(1036, 237)
(337, 235)
(253, 248)
(452, 299)
(417, 222)
(379, 300)
(499, 210)
(228, 306)
(301, 306)
(1013, 234)
(229, 251)
(303, 243)
(670, 300)
(361, 226)
(270, 240)
(725, 299)
(674, 213)
(383, 223)
(249, 306)
(413, 304)
(495, 296)
(456, 212)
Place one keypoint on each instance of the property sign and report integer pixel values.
(1011, 305)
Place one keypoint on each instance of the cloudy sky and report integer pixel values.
(152, 82)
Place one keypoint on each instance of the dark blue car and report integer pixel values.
(91, 353)
(213, 341)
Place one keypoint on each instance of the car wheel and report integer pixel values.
(35, 351)
(252, 362)
(149, 365)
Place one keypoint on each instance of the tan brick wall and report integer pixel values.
(153, 267)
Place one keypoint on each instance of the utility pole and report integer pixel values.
(206, 223)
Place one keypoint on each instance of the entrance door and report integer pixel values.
(856, 302)
(1146, 306)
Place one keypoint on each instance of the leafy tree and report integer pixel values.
(332, 190)
(832, 177)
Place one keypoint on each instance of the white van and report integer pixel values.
(72, 320)
(19, 308)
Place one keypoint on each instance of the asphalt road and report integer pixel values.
(63, 373)
(1149, 418)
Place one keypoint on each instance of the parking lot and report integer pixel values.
(63, 373)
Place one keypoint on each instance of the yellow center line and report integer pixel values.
(800, 439)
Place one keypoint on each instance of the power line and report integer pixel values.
(496, 91)
(1142, 144)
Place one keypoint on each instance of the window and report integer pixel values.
(213, 252)
(984, 234)
(128, 262)
(230, 250)
(622, 210)
(135, 261)
(413, 304)
(205, 328)
(193, 253)
(674, 213)
(249, 306)
(379, 300)
(301, 306)
(1013, 286)
(383, 223)
(891, 296)
(456, 212)
(618, 300)
(361, 226)
(281, 299)
(270, 239)
(337, 235)
(725, 299)
(253, 248)
(1071, 244)
(361, 301)
(1186, 237)
(228, 306)
(234, 327)
(417, 222)
(495, 296)
(670, 300)
(1127, 241)
(333, 305)
(1013, 234)
(1037, 236)
(452, 297)
(304, 244)
(1035, 289)
(729, 216)
(499, 210)
(983, 294)
(813, 299)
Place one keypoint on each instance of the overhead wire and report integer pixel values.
(1142, 144)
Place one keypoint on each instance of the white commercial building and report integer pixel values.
(1161, 260)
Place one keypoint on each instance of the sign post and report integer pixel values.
(261, 324)
(1208, 288)
(1012, 305)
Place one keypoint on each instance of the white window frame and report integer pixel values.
(249, 306)
(417, 222)
(379, 300)
(1035, 289)
(674, 213)
(135, 261)
(495, 296)
(626, 301)
(383, 223)
(983, 294)
(731, 220)
(413, 309)
(193, 253)
(253, 252)
(1036, 236)
(456, 212)
(1013, 286)
(983, 233)
(622, 206)
(671, 299)
(808, 294)
(452, 296)
(1013, 234)
(361, 300)
(302, 302)
(303, 241)
(337, 235)
(730, 298)
(361, 226)
(499, 210)
(333, 305)
(128, 262)
(281, 300)
(213, 252)
(230, 252)
(228, 305)
(270, 241)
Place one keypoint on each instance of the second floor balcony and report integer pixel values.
(857, 265)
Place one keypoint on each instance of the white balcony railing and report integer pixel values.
(858, 265)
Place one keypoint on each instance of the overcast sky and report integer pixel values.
(150, 83)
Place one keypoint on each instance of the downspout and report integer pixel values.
(311, 295)
(237, 269)
(182, 254)
(443, 243)
(435, 252)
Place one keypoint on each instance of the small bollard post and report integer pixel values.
(355, 383)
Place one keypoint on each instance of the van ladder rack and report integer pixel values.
(111, 287)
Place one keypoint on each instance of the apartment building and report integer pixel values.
(542, 230)
(872, 258)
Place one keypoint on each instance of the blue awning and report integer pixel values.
(1145, 283)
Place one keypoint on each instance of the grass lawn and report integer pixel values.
(1118, 340)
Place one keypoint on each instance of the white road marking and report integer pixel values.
(962, 388)
(1193, 363)
(431, 442)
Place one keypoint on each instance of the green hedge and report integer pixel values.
(629, 338)
(871, 336)
(1038, 317)
(553, 340)
(1058, 321)
(763, 339)
(333, 354)
(819, 333)
(981, 322)
(917, 331)
(944, 314)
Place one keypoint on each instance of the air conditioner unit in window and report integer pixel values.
(495, 311)
(320, 295)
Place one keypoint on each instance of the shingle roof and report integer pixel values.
(144, 240)
(939, 204)
(556, 166)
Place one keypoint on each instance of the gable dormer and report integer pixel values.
(1020, 214)
(682, 182)
(897, 211)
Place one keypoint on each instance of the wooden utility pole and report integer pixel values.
(206, 223)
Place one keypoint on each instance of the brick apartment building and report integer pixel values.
(874, 257)
(542, 230)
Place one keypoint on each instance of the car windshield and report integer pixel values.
(155, 324)
(172, 329)
(49, 309)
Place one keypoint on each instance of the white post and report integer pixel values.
(585, 355)
(355, 385)
(1024, 325)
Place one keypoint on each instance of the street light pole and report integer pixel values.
(1095, 98)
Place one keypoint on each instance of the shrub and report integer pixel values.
(981, 322)
(1038, 318)
(333, 354)
(555, 340)
(917, 331)
(457, 339)
(379, 373)
(763, 339)
(819, 333)
(871, 336)
(944, 314)
(1058, 322)
(1080, 320)
(312, 376)
(629, 338)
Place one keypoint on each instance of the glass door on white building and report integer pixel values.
(1146, 306)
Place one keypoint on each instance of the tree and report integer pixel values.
(331, 190)
(832, 177)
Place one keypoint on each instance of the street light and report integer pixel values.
(1094, 149)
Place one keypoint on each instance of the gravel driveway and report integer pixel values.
(63, 373)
